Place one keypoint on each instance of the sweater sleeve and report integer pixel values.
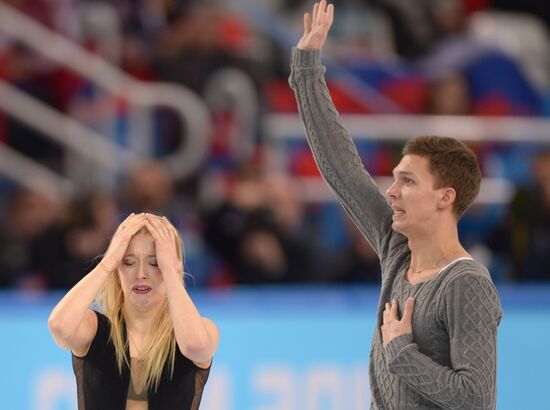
(335, 153)
(471, 313)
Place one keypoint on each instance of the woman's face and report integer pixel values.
(141, 279)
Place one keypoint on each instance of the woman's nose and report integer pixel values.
(142, 271)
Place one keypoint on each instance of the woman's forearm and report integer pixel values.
(196, 336)
(69, 312)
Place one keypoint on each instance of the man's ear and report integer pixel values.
(447, 198)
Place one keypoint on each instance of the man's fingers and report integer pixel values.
(386, 314)
(408, 311)
(315, 13)
(307, 23)
(321, 12)
(393, 312)
(330, 13)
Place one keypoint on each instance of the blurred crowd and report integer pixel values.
(244, 220)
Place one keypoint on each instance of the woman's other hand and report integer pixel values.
(165, 243)
(119, 243)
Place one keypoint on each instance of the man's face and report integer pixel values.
(412, 196)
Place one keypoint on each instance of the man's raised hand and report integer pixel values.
(316, 26)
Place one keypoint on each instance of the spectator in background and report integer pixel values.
(92, 221)
(58, 15)
(36, 75)
(142, 22)
(538, 8)
(198, 43)
(419, 25)
(225, 222)
(449, 94)
(29, 229)
(259, 232)
(149, 187)
(522, 239)
(496, 81)
(355, 263)
(22, 70)
(276, 245)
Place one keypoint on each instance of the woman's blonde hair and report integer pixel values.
(160, 347)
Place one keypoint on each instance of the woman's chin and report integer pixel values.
(143, 302)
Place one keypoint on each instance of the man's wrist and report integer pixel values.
(397, 344)
(305, 58)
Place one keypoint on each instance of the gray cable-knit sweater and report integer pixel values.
(450, 359)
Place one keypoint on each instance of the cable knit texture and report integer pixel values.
(450, 359)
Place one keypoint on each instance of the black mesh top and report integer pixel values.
(101, 386)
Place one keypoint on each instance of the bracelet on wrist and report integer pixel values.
(104, 269)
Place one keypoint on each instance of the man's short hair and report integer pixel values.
(453, 164)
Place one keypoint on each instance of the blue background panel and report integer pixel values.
(293, 348)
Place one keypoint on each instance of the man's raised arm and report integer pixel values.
(334, 151)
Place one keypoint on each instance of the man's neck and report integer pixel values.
(436, 248)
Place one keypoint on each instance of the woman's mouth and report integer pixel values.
(141, 289)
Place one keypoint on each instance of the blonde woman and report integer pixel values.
(149, 348)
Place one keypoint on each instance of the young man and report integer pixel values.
(435, 341)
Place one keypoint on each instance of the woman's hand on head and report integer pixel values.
(165, 243)
(119, 243)
(316, 26)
